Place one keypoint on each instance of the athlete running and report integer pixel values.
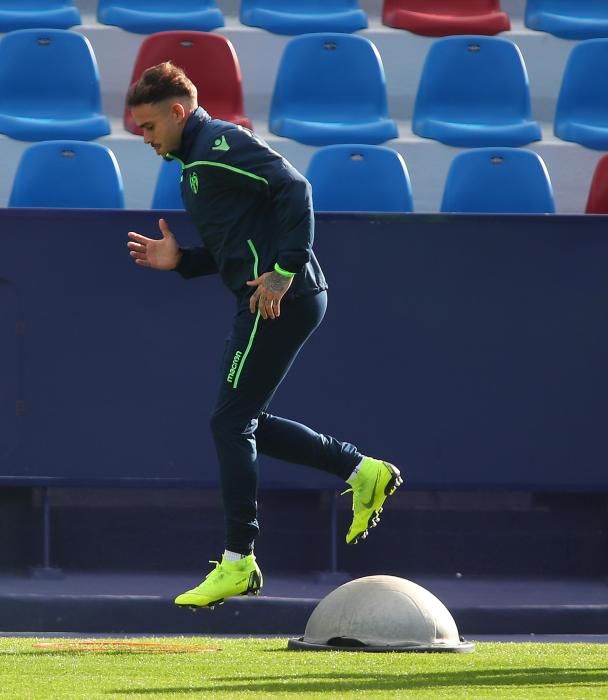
(254, 213)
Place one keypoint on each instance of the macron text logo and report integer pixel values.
(235, 364)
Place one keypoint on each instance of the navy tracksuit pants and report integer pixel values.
(258, 355)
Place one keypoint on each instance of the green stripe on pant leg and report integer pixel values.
(249, 344)
(257, 318)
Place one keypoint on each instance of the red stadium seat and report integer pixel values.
(445, 17)
(210, 62)
(597, 202)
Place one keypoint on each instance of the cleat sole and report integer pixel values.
(196, 608)
(255, 583)
(395, 481)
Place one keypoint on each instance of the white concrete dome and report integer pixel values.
(381, 613)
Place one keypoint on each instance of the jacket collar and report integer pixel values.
(196, 121)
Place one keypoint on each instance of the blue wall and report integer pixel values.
(469, 350)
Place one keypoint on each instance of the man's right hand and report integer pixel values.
(160, 254)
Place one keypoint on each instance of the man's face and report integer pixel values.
(162, 124)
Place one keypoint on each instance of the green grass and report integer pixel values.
(263, 668)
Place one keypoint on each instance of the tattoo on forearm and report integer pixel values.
(275, 282)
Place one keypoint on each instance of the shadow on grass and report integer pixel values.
(341, 682)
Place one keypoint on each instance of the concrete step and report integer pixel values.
(119, 604)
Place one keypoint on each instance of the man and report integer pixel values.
(255, 217)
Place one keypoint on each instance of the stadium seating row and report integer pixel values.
(572, 19)
(347, 177)
(329, 89)
(570, 165)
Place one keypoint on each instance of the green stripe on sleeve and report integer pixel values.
(227, 167)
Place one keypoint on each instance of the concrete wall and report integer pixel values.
(477, 362)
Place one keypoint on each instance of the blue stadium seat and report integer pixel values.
(149, 16)
(167, 193)
(474, 92)
(30, 14)
(49, 86)
(330, 88)
(63, 174)
(356, 177)
(303, 16)
(568, 19)
(582, 106)
(498, 181)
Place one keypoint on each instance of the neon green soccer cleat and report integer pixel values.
(229, 578)
(373, 484)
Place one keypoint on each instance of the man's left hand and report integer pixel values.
(270, 289)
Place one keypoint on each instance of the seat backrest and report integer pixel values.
(210, 62)
(17, 14)
(167, 193)
(303, 16)
(356, 177)
(159, 5)
(302, 6)
(574, 8)
(34, 5)
(446, 7)
(75, 174)
(48, 73)
(499, 181)
(597, 201)
(468, 76)
(331, 77)
(149, 16)
(584, 88)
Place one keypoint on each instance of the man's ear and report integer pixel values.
(179, 112)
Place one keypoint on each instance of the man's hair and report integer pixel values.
(160, 83)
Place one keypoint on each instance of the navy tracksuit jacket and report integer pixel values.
(253, 210)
